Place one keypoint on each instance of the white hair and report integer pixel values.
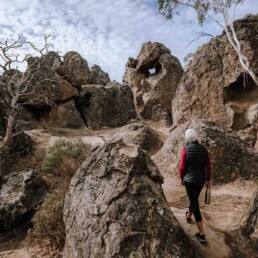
(190, 135)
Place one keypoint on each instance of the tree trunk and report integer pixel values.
(9, 130)
(234, 42)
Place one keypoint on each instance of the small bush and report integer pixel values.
(62, 151)
(60, 164)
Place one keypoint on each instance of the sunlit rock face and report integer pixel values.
(215, 86)
(153, 77)
(115, 207)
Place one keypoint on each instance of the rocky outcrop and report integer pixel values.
(122, 208)
(153, 76)
(229, 155)
(74, 62)
(215, 85)
(19, 195)
(244, 241)
(110, 105)
(97, 76)
(66, 115)
(49, 87)
(57, 83)
(140, 135)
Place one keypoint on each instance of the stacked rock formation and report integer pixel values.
(69, 94)
(153, 91)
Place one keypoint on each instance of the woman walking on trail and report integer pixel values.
(195, 170)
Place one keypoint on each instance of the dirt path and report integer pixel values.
(229, 206)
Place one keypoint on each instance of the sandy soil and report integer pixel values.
(19, 253)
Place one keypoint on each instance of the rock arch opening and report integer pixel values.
(154, 69)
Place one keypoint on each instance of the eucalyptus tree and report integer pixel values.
(209, 9)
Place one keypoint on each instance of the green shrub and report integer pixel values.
(62, 151)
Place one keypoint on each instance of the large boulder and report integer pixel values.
(109, 106)
(244, 240)
(215, 86)
(20, 193)
(153, 76)
(66, 115)
(115, 207)
(229, 155)
(141, 135)
(97, 76)
(74, 62)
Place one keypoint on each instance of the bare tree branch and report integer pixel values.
(16, 86)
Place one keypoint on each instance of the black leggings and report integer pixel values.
(193, 192)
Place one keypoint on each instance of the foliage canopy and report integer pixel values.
(169, 8)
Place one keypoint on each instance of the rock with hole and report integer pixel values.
(153, 76)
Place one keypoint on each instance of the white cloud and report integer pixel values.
(104, 32)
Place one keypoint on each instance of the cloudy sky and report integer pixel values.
(105, 32)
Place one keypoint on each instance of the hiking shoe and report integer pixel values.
(189, 220)
(200, 238)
